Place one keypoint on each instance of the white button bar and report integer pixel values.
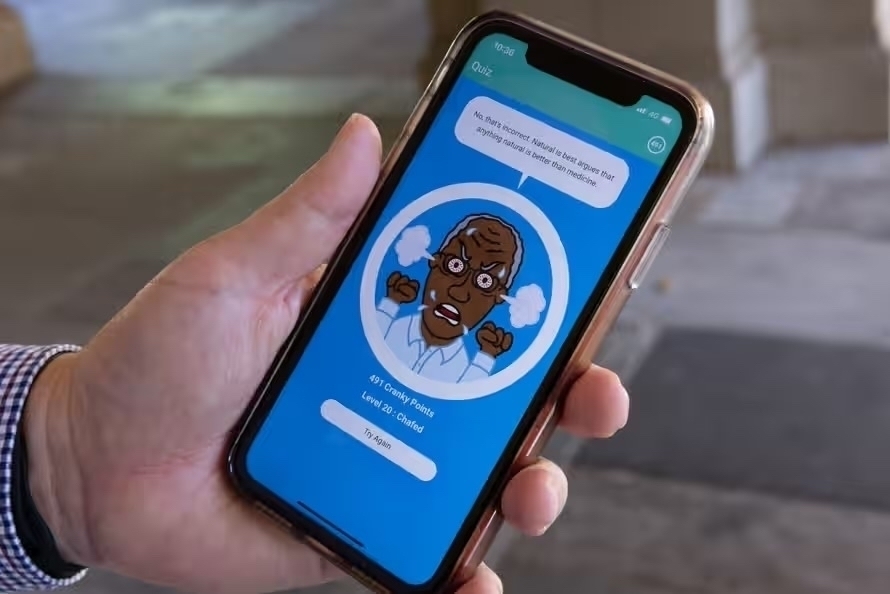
(394, 450)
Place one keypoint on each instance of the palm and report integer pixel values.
(199, 339)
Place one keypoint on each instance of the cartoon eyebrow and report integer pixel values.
(463, 251)
(490, 266)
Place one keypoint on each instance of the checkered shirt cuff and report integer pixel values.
(19, 366)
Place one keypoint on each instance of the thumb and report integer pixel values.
(293, 234)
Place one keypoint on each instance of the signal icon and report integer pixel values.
(642, 110)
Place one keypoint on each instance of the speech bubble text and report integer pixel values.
(542, 152)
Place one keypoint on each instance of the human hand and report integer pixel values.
(127, 439)
(493, 341)
(401, 288)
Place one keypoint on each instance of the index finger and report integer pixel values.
(484, 581)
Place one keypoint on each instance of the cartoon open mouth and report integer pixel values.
(447, 312)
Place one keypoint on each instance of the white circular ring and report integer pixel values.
(552, 321)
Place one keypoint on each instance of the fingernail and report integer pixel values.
(560, 489)
(554, 499)
(342, 132)
(627, 410)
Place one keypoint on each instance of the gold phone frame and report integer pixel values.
(645, 247)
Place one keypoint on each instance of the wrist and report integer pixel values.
(54, 475)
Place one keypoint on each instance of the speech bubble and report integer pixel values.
(542, 152)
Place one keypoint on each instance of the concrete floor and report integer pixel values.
(755, 458)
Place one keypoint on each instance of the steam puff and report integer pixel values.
(412, 245)
(526, 306)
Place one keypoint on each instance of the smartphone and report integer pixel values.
(528, 192)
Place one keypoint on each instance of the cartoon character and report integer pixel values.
(469, 275)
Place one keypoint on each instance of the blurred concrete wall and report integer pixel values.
(777, 71)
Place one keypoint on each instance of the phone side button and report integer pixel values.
(380, 441)
(645, 263)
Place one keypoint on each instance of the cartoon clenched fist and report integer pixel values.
(401, 288)
(492, 340)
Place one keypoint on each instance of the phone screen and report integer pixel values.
(484, 258)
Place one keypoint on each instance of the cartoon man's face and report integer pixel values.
(467, 278)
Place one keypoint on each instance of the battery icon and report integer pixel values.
(667, 119)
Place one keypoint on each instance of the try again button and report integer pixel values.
(394, 450)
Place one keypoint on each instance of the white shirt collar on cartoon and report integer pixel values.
(449, 351)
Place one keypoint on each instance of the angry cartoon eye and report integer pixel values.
(484, 280)
(455, 265)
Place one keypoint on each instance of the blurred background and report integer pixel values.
(757, 459)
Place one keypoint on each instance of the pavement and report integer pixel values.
(755, 459)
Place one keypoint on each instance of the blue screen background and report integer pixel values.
(404, 524)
